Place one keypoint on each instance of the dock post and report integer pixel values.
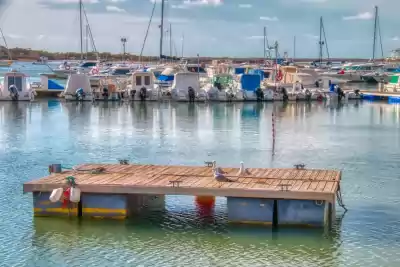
(250, 210)
(104, 206)
(301, 212)
(137, 203)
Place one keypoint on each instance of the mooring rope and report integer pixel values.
(340, 199)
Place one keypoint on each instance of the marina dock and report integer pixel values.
(296, 196)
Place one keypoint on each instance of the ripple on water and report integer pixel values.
(362, 139)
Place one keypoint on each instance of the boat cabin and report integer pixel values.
(184, 80)
(394, 84)
(16, 78)
(142, 79)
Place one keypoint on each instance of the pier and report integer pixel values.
(296, 196)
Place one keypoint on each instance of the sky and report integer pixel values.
(210, 27)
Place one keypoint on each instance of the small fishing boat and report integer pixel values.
(15, 87)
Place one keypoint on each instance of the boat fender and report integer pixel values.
(67, 67)
(65, 197)
(56, 195)
(75, 195)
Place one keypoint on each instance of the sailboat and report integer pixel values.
(5, 63)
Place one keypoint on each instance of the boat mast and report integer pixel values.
(321, 43)
(80, 27)
(294, 48)
(183, 42)
(170, 40)
(162, 28)
(265, 43)
(375, 26)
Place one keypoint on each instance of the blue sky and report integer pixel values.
(210, 27)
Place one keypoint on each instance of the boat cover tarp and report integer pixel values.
(259, 72)
(240, 70)
(166, 78)
(52, 85)
(250, 82)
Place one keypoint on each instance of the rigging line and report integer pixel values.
(90, 30)
(5, 43)
(380, 35)
(147, 31)
(326, 42)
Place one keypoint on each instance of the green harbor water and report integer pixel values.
(360, 138)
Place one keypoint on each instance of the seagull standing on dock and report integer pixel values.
(219, 173)
(242, 170)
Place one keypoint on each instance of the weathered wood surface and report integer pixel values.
(191, 180)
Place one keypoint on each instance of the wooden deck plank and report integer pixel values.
(307, 183)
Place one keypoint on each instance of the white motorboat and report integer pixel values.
(78, 88)
(186, 87)
(142, 87)
(15, 87)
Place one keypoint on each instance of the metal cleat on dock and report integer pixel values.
(300, 166)
(123, 161)
(208, 163)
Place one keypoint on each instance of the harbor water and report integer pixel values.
(360, 138)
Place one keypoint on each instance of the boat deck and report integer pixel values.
(293, 183)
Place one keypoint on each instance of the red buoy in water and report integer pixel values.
(205, 205)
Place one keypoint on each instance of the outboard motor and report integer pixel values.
(357, 92)
(105, 93)
(191, 94)
(308, 95)
(317, 84)
(285, 94)
(259, 94)
(133, 93)
(79, 94)
(142, 93)
(340, 93)
(13, 92)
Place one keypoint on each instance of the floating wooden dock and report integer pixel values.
(275, 196)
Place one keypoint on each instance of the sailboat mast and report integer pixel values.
(294, 48)
(265, 43)
(375, 25)
(183, 43)
(321, 44)
(162, 27)
(170, 40)
(80, 27)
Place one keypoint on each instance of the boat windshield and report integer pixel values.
(196, 69)
(222, 81)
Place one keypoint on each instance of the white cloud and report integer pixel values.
(203, 2)
(73, 1)
(41, 36)
(115, 9)
(311, 36)
(314, 1)
(395, 38)
(14, 36)
(269, 18)
(116, 1)
(245, 6)
(180, 6)
(360, 16)
(255, 37)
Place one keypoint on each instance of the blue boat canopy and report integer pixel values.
(166, 78)
(240, 70)
(250, 82)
